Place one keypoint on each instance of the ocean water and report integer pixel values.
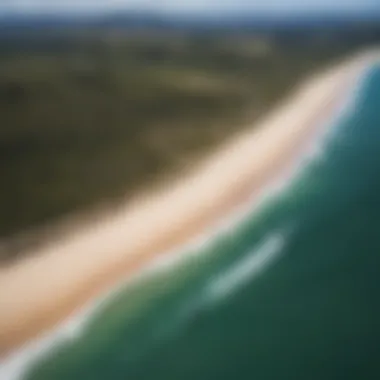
(290, 291)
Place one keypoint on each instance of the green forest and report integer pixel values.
(89, 119)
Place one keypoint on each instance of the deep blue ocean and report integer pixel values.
(291, 291)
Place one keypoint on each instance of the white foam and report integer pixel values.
(15, 367)
(247, 269)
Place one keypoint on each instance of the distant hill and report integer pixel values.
(154, 20)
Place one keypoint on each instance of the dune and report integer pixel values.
(55, 281)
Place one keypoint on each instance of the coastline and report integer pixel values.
(276, 141)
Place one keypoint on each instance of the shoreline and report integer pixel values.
(105, 265)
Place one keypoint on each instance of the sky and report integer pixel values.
(190, 6)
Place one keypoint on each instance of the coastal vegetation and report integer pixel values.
(88, 117)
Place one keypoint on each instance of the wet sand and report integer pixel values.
(41, 291)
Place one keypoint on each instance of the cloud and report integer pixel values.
(190, 5)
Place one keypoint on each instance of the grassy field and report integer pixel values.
(93, 120)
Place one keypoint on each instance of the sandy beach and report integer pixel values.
(44, 289)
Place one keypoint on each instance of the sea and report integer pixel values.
(288, 290)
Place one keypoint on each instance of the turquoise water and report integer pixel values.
(290, 292)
